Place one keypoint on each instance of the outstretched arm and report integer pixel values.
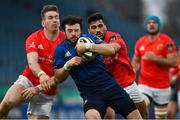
(60, 75)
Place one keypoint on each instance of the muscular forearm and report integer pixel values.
(166, 62)
(35, 68)
(105, 49)
(33, 63)
(61, 75)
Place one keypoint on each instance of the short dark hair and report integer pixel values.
(94, 17)
(48, 8)
(71, 20)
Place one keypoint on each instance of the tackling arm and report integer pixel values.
(32, 58)
(106, 49)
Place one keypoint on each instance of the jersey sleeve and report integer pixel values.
(170, 46)
(59, 60)
(116, 38)
(31, 44)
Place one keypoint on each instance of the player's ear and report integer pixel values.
(42, 23)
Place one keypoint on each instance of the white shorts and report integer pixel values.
(159, 96)
(134, 93)
(40, 104)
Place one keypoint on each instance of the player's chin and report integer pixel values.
(99, 35)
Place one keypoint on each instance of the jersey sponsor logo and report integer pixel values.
(160, 46)
(40, 46)
(32, 45)
(142, 48)
(112, 38)
(68, 54)
(169, 46)
(85, 101)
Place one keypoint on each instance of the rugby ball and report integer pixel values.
(87, 56)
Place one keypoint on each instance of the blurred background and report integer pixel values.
(19, 18)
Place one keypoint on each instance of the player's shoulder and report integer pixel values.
(165, 37)
(141, 39)
(111, 34)
(35, 34)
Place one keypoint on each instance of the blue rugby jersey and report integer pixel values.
(90, 76)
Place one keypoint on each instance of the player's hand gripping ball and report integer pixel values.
(89, 55)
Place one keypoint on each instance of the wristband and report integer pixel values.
(66, 67)
(40, 73)
(40, 87)
(88, 47)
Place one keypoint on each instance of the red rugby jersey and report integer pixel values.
(119, 65)
(37, 42)
(152, 74)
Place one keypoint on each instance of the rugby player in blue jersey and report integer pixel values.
(97, 87)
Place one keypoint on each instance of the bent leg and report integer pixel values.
(11, 99)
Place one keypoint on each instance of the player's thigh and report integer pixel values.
(13, 95)
(94, 105)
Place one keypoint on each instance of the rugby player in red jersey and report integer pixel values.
(40, 47)
(118, 63)
(155, 52)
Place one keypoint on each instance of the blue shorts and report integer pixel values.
(115, 97)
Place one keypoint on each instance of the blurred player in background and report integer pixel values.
(174, 76)
(117, 62)
(40, 47)
(156, 53)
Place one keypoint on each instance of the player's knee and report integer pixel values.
(161, 112)
(92, 114)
